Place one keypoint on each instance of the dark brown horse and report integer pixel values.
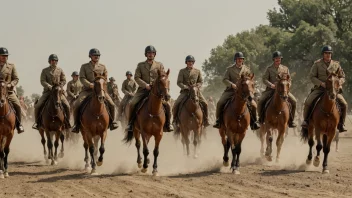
(150, 121)
(323, 123)
(52, 123)
(94, 124)
(276, 118)
(7, 120)
(236, 121)
(191, 119)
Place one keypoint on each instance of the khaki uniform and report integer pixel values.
(49, 76)
(145, 74)
(187, 77)
(8, 72)
(129, 88)
(270, 78)
(86, 76)
(232, 75)
(113, 91)
(73, 89)
(318, 75)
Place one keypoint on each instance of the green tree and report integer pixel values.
(35, 96)
(19, 91)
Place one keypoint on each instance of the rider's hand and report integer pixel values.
(186, 87)
(273, 86)
(50, 88)
(234, 86)
(148, 87)
(323, 84)
(91, 85)
(131, 94)
(9, 85)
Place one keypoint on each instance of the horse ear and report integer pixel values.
(168, 72)
(251, 76)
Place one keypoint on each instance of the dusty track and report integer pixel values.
(179, 176)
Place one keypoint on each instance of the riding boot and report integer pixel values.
(67, 116)
(36, 118)
(341, 125)
(75, 128)
(291, 122)
(119, 113)
(306, 113)
(253, 118)
(167, 126)
(19, 126)
(206, 119)
(113, 124)
(217, 123)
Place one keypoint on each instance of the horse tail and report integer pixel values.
(177, 134)
(304, 134)
(128, 137)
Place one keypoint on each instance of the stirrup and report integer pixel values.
(20, 129)
(35, 126)
(113, 126)
(75, 129)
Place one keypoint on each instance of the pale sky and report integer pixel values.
(33, 29)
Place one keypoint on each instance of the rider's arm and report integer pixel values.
(14, 77)
(123, 88)
(341, 75)
(180, 80)
(138, 76)
(62, 78)
(200, 80)
(313, 75)
(266, 77)
(226, 79)
(68, 89)
(43, 81)
(83, 77)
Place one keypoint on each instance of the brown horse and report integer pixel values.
(94, 124)
(7, 120)
(191, 119)
(236, 121)
(150, 121)
(323, 123)
(52, 123)
(276, 117)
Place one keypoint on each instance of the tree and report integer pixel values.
(19, 91)
(35, 96)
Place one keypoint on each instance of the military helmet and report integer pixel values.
(75, 73)
(53, 57)
(129, 73)
(238, 55)
(190, 58)
(277, 54)
(4, 51)
(326, 48)
(149, 48)
(112, 79)
(94, 52)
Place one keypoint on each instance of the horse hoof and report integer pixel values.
(53, 162)
(195, 156)
(236, 172)
(6, 175)
(269, 158)
(226, 164)
(316, 162)
(326, 171)
(61, 155)
(140, 165)
(144, 170)
(99, 163)
(155, 173)
(277, 160)
(93, 172)
(337, 150)
(309, 162)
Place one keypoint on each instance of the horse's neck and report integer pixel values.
(278, 103)
(327, 104)
(192, 106)
(50, 107)
(96, 105)
(239, 104)
(154, 104)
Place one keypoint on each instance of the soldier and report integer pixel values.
(187, 77)
(269, 79)
(129, 87)
(49, 75)
(318, 76)
(8, 73)
(86, 76)
(74, 87)
(113, 91)
(232, 75)
(145, 74)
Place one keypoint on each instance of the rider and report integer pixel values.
(129, 87)
(74, 87)
(318, 76)
(8, 73)
(232, 75)
(48, 76)
(187, 77)
(87, 78)
(113, 91)
(269, 79)
(145, 74)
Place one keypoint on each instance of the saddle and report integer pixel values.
(227, 104)
(266, 105)
(183, 101)
(85, 103)
(315, 103)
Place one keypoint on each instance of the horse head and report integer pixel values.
(99, 86)
(56, 93)
(245, 86)
(333, 85)
(194, 93)
(3, 92)
(161, 87)
(283, 85)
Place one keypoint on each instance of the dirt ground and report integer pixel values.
(180, 176)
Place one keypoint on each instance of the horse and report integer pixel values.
(323, 123)
(123, 119)
(191, 119)
(52, 123)
(94, 123)
(236, 119)
(276, 118)
(150, 120)
(7, 120)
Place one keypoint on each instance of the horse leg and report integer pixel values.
(262, 139)
(96, 142)
(41, 132)
(56, 144)
(326, 149)
(232, 138)
(50, 146)
(2, 156)
(145, 153)
(318, 147)
(238, 150)
(269, 145)
(7, 151)
(279, 142)
(91, 151)
(137, 137)
(196, 141)
(102, 148)
(86, 158)
(62, 139)
(226, 145)
(337, 138)
(156, 153)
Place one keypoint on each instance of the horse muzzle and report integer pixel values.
(101, 99)
(167, 97)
